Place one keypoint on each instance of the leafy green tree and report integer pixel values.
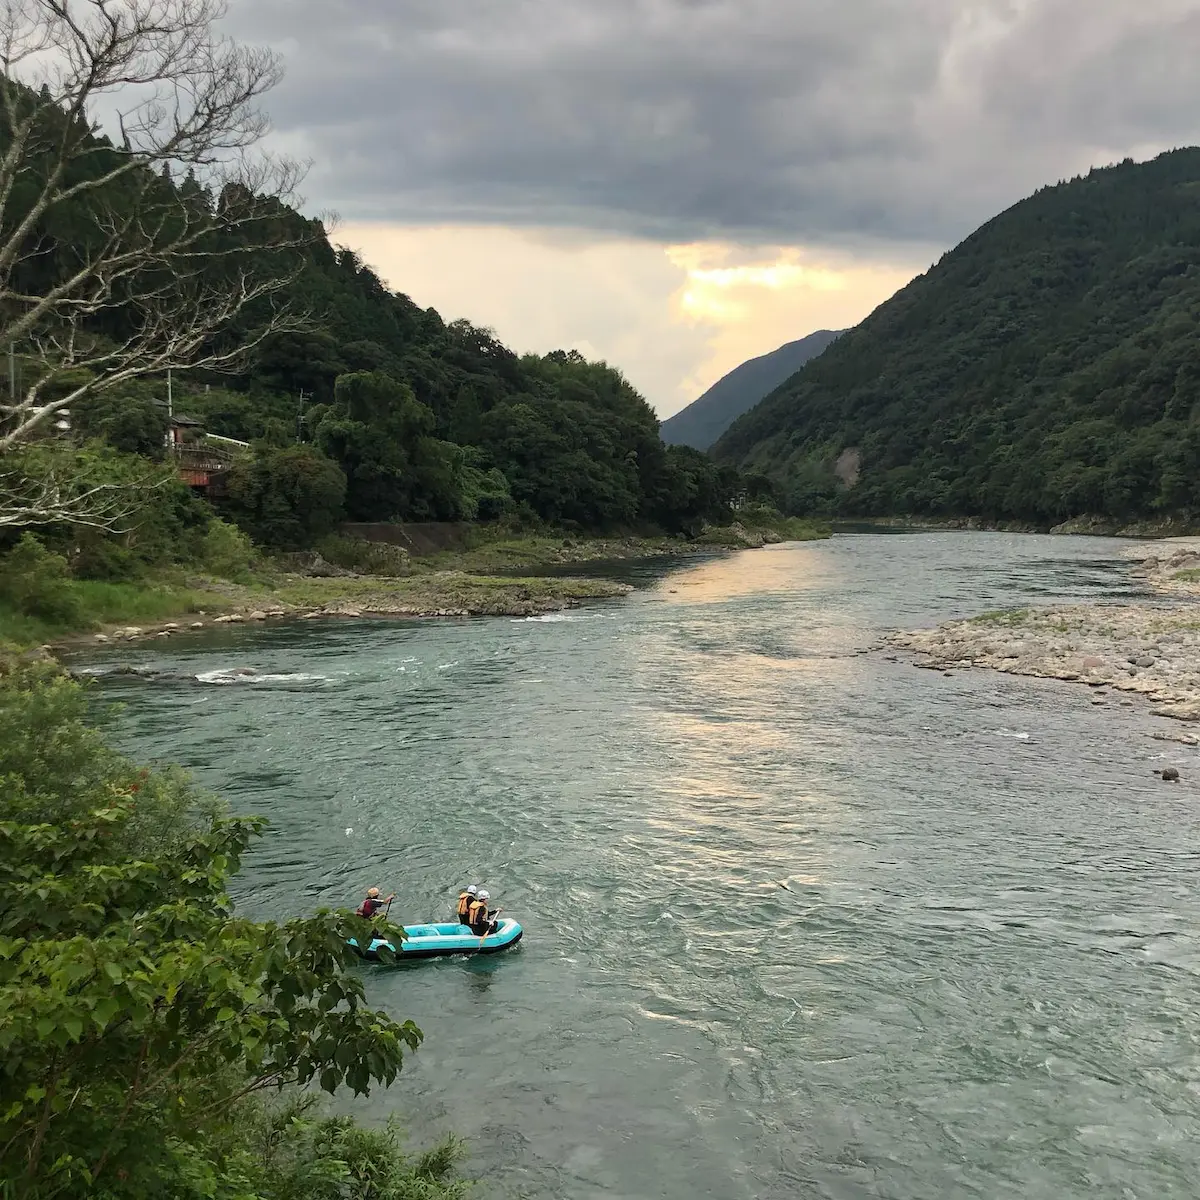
(140, 1010)
(383, 437)
(131, 418)
(285, 498)
(36, 582)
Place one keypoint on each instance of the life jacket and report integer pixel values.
(478, 915)
(465, 900)
(369, 907)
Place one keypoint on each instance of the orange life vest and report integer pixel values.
(478, 914)
(465, 900)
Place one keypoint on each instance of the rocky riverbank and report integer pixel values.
(1170, 566)
(1148, 650)
(1122, 652)
(437, 594)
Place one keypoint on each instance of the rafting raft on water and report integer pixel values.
(449, 937)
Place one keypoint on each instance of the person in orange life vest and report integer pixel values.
(372, 904)
(465, 899)
(482, 920)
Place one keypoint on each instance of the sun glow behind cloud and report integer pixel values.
(727, 293)
(674, 319)
(751, 301)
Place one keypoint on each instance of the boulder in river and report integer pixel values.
(1170, 775)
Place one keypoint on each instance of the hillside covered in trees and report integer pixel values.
(738, 391)
(1047, 368)
(381, 410)
(429, 419)
(358, 403)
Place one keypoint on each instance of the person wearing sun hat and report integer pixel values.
(372, 904)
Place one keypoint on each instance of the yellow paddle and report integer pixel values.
(488, 928)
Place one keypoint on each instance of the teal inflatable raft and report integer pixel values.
(432, 941)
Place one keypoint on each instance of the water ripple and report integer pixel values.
(801, 921)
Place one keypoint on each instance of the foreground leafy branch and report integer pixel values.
(140, 1011)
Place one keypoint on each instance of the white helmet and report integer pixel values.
(472, 890)
(485, 895)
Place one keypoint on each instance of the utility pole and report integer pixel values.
(300, 414)
(169, 437)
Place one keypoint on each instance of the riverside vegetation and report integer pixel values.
(154, 1042)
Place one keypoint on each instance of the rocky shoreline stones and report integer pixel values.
(1145, 650)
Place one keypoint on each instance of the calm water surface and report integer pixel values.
(980, 979)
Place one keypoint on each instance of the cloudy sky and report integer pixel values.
(677, 185)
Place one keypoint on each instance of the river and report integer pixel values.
(979, 980)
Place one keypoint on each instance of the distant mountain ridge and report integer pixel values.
(704, 420)
(1046, 369)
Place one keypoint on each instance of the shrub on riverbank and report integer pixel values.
(41, 600)
(143, 1019)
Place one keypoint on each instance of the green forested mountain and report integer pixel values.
(374, 409)
(1048, 367)
(437, 420)
(705, 419)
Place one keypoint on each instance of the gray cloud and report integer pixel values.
(820, 121)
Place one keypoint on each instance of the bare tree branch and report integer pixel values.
(61, 498)
(109, 270)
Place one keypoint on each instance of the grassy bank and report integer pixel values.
(93, 605)
(433, 593)
(44, 605)
(128, 611)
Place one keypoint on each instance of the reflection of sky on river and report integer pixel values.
(731, 701)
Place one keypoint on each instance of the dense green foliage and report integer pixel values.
(286, 497)
(425, 420)
(378, 411)
(705, 419)
(437, 421)
(142, 1016)
(1048, 367)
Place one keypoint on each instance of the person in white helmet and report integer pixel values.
(482, 919)
(465, 899)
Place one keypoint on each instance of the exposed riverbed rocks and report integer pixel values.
(1170, 566)
(1120, 651)
(1148, 651)
(435, 594)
